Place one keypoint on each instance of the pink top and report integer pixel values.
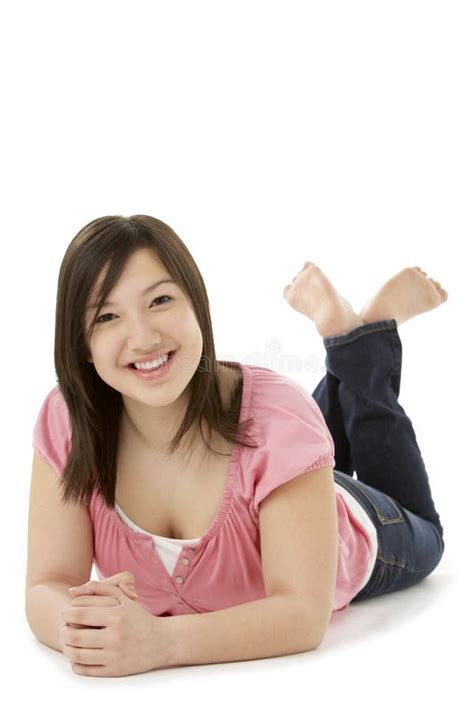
(223, 568)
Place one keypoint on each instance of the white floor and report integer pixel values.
(404, 649)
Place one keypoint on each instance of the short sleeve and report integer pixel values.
(51, 432)
(295, 439)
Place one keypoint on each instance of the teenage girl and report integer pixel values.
(191, 531)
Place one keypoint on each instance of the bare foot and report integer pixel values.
(313, 295)
(407, 294)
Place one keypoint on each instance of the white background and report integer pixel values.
(265, 134)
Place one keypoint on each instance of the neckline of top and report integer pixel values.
(147, 538)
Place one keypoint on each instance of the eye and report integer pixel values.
(99, 321)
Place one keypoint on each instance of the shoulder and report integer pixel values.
(292, 434)
(272, 391)
(286, 414)
(54, 406)
(52, 430)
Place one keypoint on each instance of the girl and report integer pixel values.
(165, 454)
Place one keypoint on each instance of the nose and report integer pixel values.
(144, 339)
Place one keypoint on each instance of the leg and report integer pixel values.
(366, 362)
(371, 431)
(327, 397)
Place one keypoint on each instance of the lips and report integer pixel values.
(131, 365)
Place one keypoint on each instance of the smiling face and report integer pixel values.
(136, 321)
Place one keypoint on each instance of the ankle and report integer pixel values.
(371, 315)
(374, 318)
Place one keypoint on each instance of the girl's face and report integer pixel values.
(135, 324)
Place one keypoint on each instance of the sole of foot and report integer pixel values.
(408, 293)
(312, 294)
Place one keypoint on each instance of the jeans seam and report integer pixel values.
(379, 577)
(397, 563)
(402, 565)
(395, 355)
(334, 341)
(384, 521)
(373, 583)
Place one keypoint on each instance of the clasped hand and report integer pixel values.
(105, 633)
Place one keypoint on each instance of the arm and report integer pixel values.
(44, 604)
(269, 627)
(299, 548)
(60, 552)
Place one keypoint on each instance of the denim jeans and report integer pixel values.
(374, 437)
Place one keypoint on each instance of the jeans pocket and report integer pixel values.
(384, 507)
(376, 503)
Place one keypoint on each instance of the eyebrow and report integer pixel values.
(144, 292)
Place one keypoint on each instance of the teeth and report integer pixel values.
(151, 363)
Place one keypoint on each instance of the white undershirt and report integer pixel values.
(169, 549)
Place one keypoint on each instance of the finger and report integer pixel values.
(79, 655)
(128, 588)
(125, 580)
(124, 577)
(90, 615)
(93, 670)
(86, 589)
(96, 600)
(130, 592)
(83, 637)
(95, 587)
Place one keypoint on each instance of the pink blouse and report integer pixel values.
(223, 567)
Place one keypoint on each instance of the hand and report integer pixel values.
(115, 637)
(125, 580)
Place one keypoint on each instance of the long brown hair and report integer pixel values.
(94, 407)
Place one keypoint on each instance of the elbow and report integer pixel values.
(318, 643)
(31, 619)
(302, 624)
(310, 643)
(27, 613)
(316, 628)
(313, 629)
(315, 641)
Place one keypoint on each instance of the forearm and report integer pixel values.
(269, 627)
(44, 604)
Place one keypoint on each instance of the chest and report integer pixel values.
(177, 499)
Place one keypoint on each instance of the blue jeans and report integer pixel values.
(372, 435)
